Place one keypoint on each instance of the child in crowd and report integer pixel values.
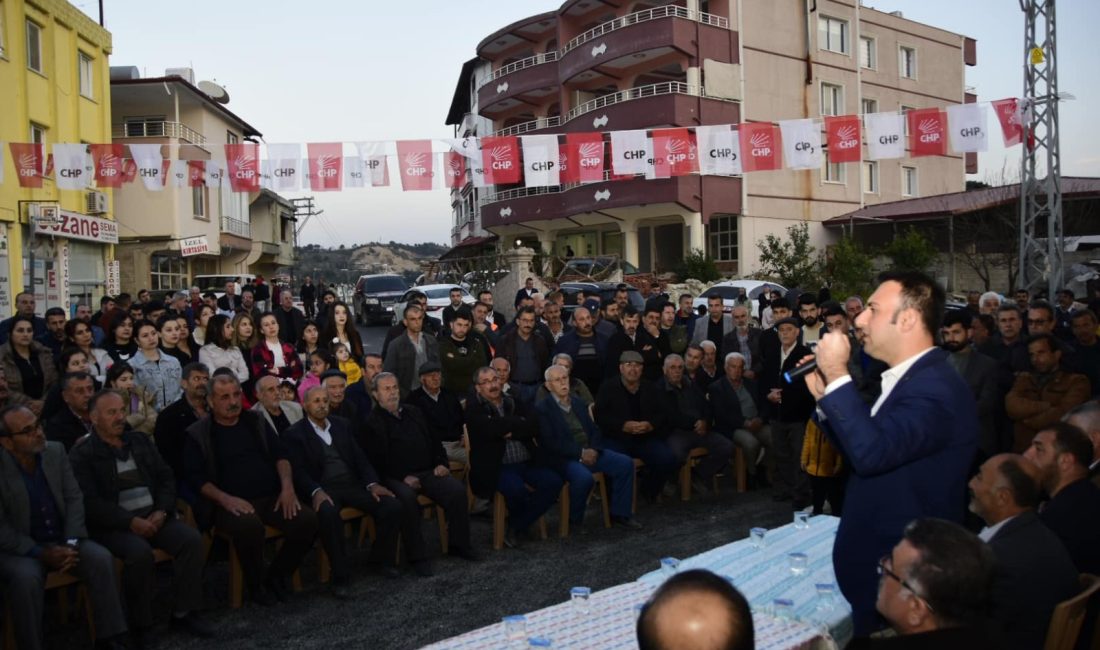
(348, 366)
(287, 392)
(823, 462)
(319, 361)
(142, 414)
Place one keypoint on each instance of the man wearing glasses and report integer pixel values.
(934, 588)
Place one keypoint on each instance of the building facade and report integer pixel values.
(54, 73)
(596, 65)
(273, 233)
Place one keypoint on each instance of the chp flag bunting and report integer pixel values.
(415, 164)
(29, 159)
(326, 166)
(500, 160)
(843, 137)
(149, 165)
(355, 173)
(968, 124)
(470, 149)
(284, 165)
(631, 152)
(674, 153)
(760, 146)
(542, 167)
(885, 135)
(73, 168)
(242, 166)
(213, 172)
(454, 169)
(107, 159)
(927, 132)
(584, 158)
(801, 144)
(719, 152)
(179, 173)
(196, 173)
(1009, 115)
(373, 155)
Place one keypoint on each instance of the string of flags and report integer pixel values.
(534, 160)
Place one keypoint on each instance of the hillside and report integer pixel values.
(345, 264)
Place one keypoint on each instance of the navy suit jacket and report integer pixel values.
(910, 460)
(555, 438)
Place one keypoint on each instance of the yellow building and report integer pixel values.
(55, 85)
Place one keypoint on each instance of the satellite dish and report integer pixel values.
(216, 92)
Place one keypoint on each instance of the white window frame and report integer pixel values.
(34, 58)
(870, 177)
(902, 49)
(198, 202)
(905, 118)
(834, 173)
(2, 55)
(85, 66)
(38, 133)
(868, 105)
(910, 189)
(872, 53)
(824, 24)
(714, 237)
(836, 99)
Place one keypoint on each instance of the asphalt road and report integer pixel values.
(372, 336)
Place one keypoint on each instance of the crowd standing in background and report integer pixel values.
(254, 413)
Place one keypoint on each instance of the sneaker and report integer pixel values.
(629, 523)
(699, 486)
(481, 507)
(194, 625)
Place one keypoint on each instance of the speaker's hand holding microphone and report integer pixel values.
(828, 364)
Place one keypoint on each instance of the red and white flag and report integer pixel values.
(541, 162)
(927, 132)
(30, 160)
(107, 159)
(373, 155)
(242, 161)
(761, 145)
(843, 137)
(178, 173)
(719, 152)
(501, 160)
(213, 173)
(284, 165)
(802, 144)
(674, 153)
(326, 166)
(196, 173)
(632, 152)
(470, 149)
(415, 162)
(969, 128)
(584, 158)
(1011, 119)
(149, 165)
(454, 169)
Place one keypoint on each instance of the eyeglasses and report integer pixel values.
(28, 430)
(884, 571)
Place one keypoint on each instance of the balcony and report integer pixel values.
(528, 81)
(237, 227)
(159, 129)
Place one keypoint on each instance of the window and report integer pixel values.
(832, 99)
(38, 134)
(723, 237)
(34, 46)
(909, 181)
(832, 34)
(198, 202)
(833, 173)
(87, 75)
(145, 127)
(868, 106)
(231, 138)
(905, 118)
(907, 62)
(870, 177)
(867, 53)
(167, 272)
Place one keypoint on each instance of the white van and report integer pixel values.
(216, 283)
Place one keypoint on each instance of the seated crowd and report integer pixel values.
(115, 425)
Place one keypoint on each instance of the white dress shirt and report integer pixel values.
(989, 531)
(890, 378)
(324, 434)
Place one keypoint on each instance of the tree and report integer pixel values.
(793, 262)
(910, 252)
(698, 265)
(849, 268)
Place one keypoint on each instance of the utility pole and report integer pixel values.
(304, 208)
(1041, 263)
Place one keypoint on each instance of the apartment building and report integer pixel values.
(605, 65)
(54, 74)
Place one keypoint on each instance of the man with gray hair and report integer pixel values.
(689, 425)
(854, 306)
(989, 302)
(737, 415)
(1086, 417)
(577, 388)
(279, 413)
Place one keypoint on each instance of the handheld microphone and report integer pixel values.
(804, 369)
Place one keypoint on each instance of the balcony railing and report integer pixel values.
(520, 192)
(533, 125)
(157, 129)
(237, 227)
(656, 13)
(522, 64)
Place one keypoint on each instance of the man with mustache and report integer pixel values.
(980, 373)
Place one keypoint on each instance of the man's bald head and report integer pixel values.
(696, 610)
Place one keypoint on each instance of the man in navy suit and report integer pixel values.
(910, 451)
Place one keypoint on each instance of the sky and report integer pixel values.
(353, 70)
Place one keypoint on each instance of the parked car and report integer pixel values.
(375, 296)
(730, 289)
(606, 291)
(216, 283)
(439, 296)
(594, 268)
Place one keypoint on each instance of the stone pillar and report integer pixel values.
(696, 239)
(547, 245)
(518, 263)
(630, 241)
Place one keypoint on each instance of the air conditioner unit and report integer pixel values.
(95, 202)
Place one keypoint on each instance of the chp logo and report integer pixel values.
(109, 165)
(761, 145)
(846, 137)
(244, 167)
(501, 158)
(678, 150)
(455, 167)
(327, 166)
(929, 130)
(29, 165)
(414, 164)
(591, 155)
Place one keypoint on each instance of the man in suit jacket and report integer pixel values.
(279, 413)
(715, 326)
(910, 452)
(689, 424)
(331, 471)
(744, 339)
(1086, 417)
(42, 529)
(70, 423)
(504, 458)
(410, 350)
(979, 372)
(791, 407)
(1032, 570)
(737, 414)
(573, 445)
(638, 339)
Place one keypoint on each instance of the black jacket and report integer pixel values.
(65, 427)
(679, 418)
(613, 409)
(307, 455)
(170, 433)
(507, 349)
(401, 446)
(291, 324)
(1074, 516)
(443, 415)
(653, 351)
(797, 403)
(726, 406)
(93, 464)
(487, 429)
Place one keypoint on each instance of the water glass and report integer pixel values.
(515, 627)
(826, 596)
(669, 566)
(798, 562)
(757, 536)
(580, 596)
(783, 608)
(539, 642)
(801, 519)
